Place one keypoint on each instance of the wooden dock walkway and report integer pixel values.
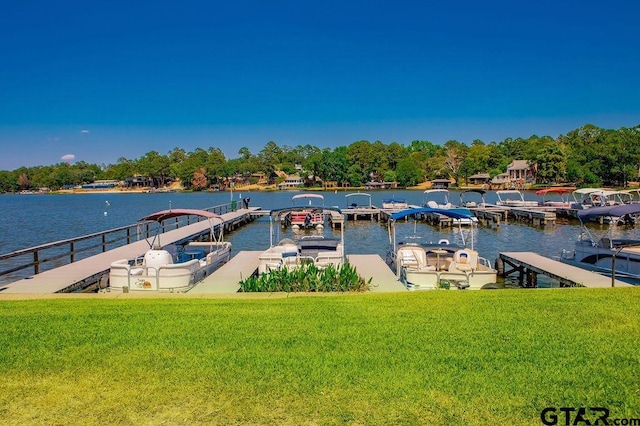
(529, 264)
(91, 270)
(373, 266)
(227, 278)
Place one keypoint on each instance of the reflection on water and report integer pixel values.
(31, 220)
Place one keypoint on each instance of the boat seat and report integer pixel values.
(414, 258)
(464, 260)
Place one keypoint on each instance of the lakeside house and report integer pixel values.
(479, 179)
(441, 183)
(293, 181)
(519, 173)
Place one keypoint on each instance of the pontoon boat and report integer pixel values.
(429, 266)
(287, 253)
(175, 267)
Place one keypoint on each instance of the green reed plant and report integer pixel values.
(307, 278)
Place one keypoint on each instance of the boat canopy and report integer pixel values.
(586, 191)
(361, 194)
(609, 211)
(172, 213)
(394, 200)
(433, 191)
(307, 196)
(556, 190)
(453, 213)
(316, 209)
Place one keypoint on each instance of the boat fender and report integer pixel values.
(499, 266)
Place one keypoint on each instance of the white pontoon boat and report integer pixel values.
(429, 266)
(175, 267)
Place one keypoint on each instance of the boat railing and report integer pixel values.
(22, 263)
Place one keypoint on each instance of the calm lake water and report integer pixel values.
(30, 220)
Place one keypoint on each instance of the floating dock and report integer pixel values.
(227, 278)
(528, 265)
(372, 266)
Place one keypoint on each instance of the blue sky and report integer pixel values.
(103, 80)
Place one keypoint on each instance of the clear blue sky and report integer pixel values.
(107, 79)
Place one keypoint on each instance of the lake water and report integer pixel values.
(31, 220)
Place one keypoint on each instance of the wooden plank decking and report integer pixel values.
(227, 278)
(373, 266)
(68, 276)
(567, 275)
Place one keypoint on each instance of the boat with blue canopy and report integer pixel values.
(435, 265)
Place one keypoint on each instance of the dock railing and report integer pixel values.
(31, 261)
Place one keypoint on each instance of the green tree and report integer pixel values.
(409, 172)
(552, 165)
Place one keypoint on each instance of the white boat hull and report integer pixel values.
(437, 268)
(157, 272)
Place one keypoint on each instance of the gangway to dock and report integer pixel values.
(528, 265)
(79, 274)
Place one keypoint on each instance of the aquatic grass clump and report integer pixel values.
(307, 278)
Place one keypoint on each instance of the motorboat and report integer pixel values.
(305, 216)
(513, 198)
(430, 266)
(600, 197)
(465, 200)
(439, 199)
(287, 253)
(555, 196)
(582, 198)
(607, 254)
(176, 267)
(394, 203)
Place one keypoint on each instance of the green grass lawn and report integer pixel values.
(439, 357)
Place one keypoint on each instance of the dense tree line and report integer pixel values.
(588, 155)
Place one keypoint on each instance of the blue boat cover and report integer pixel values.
(611, 211)
(453, 213)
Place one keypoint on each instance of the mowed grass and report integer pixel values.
(440, 357)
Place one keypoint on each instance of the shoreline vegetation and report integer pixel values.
(587, 156)
(408, 358)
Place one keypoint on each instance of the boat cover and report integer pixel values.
(610, 211)
(453, 213)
